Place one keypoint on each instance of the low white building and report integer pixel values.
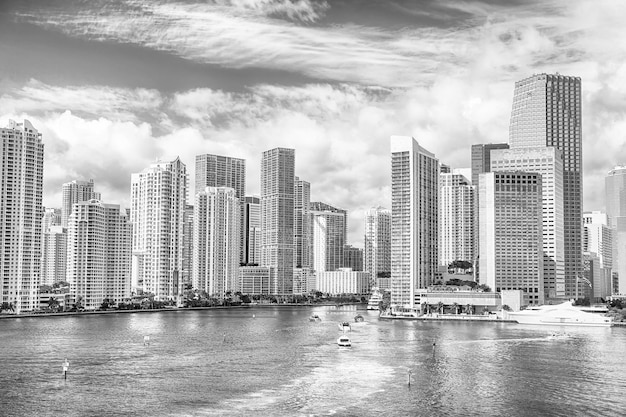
(343, 281)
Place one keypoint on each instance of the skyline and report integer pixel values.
(332, 80)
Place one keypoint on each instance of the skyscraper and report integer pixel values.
(98, 255)
(53, 255)
(547, 111)
(352, 258)
(414, 219)
(277, 216)
(511, 237)
(302, 224)
(480, 163)
(74, 192)
(598, 240)
(252, 230)
(158, 200)
(224, 171)
(328, 232)
(377, 245)
(615, 188)
(456, 218)
(546, 161)
(187, 245)
(21, 213)
(221, 171)
(216, 241)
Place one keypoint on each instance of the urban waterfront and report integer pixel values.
(274, 361)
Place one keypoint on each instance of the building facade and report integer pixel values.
(547, 111)
(252, 230)
(75, 192)
(216, 241)
(302, 224)
(598, 241)
(256, 279)
(343, 281)
(414, 219)
(21, 213)
(511, 235)
(53, 255)
(353, 258)
(98, 254)
(456, 219)
(158, 202)
(377, 242)
(277, 216)
(615, 188)
(328, 231)
(546, 161)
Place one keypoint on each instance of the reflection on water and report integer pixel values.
(275, 361)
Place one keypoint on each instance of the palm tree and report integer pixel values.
(440, 307)
(456, 307)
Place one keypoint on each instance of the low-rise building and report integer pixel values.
(343, 281)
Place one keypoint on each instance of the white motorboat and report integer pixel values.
(344, 341)
(564, 314)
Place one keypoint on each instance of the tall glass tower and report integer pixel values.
(547, 111)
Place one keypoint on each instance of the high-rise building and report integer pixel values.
(187, 245)
(456, 218)
(353, 258)
(598, 240)
(21, 213)
(480, 163)
(328, 232)
(216, 234)
(221, 171)
(546, 161)
(53, 255)
(98, 254)
(277, 216)
(51, 217)
(511, 236)
(252, 231)
(615, 188)
(414, 219)
(302, 224)
(158, 200)
(224, 171)
(377, 245)
(74, 192)
(547, 111)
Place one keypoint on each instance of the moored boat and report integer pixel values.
(345, 326)
(564, 314)
(375, 299)
(344, 341)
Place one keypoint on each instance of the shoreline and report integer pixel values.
(159, 310)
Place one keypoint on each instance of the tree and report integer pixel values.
(53, 304)
(484, 287)
(45, 288)
(506, 308)
(5, 306)
(106, 304)
(78, 305)
(440, 307)
(456, 308)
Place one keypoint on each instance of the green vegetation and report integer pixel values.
(617, 310)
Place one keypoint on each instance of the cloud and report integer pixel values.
(300, 10)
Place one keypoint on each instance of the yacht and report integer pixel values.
(375, 298)
(564, 314)
(345, 326)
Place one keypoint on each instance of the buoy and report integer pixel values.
(409, 377)
(254, 316)
(146, 340)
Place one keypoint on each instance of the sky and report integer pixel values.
(115, 85)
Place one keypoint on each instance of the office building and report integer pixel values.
(98, 254)
(511, 236)
(75, 192)
(51, 217)
(546, 161)
(456, 219)
(277, 217)
(187, 245)
(256, 279)
(216, 242)
(21, 213)
(343, 281)
(615, 188)
(414, 219)
(221, 171)
(547, 111)
(158, 201)
(377, 244)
